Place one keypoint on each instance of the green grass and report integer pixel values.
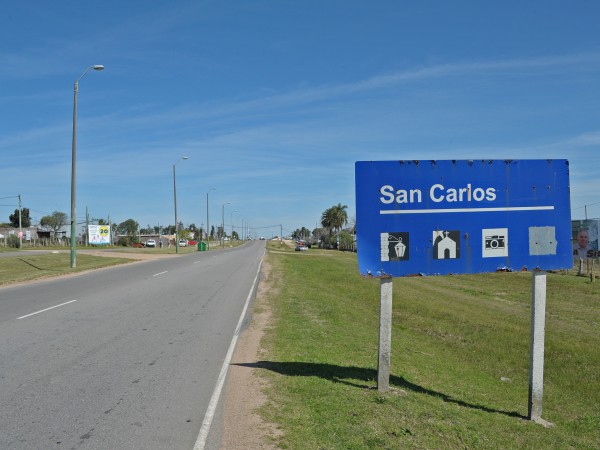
(459, 362)
(30, 267)
(160, 250)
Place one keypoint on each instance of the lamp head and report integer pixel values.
(98, 67)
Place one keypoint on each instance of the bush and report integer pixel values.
(127, 241)
(346, 241)
(13, 241)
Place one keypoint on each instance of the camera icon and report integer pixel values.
(494, 242)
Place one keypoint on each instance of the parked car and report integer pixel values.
(183, 242)
(151, 243)
(137, 245)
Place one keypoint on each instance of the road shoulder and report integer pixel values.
(244, 395)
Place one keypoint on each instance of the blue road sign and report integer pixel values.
(462, 216)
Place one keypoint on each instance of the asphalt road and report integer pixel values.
(121, 358)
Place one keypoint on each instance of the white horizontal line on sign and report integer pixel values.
(465, 210)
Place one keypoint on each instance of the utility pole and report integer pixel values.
(87, 226)
(20, 228)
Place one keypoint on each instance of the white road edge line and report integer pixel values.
(160, 273)
(212, 406)
(47, 309)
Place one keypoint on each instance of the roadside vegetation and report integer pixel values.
(27, 267)
(459, 362)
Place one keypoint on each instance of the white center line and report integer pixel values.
(47, 309)
(160, 273)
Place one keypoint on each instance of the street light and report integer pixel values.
(231, 220)
(223, 224)
(175, 202)
(207, 224)
(73, 163)
(244, 228)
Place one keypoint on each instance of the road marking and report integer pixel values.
(196, 262)
(160, 273)
(212, 406)
(47, 309)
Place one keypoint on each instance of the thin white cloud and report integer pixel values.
(585, 140)
(127, 39)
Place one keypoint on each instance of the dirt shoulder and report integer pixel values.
(244, 394)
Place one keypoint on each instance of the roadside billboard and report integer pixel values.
(462, 216)
(585, 238)
(99, 234)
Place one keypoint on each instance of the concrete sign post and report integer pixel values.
(536, 364)
(385, 335)
(463, 216)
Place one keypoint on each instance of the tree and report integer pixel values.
(129, 228)
(318, 232)
(147, 230)
(186, 233)
(346, 240)
(55, 221)
(128, 232)
(335, 218)
(25, 219)
(302, 233)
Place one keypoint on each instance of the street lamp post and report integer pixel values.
(73, 164)
(175, 202)
(223, 224)
(20, 227)
(207, 224)
(231, 220)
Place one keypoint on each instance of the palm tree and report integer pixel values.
(340, 216)
(335, 218)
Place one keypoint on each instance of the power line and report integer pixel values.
(584, 206)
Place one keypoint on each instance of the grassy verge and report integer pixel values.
(123, 249)
(459, 363)
(31, 267)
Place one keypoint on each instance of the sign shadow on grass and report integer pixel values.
(34, 266)
(362, 377)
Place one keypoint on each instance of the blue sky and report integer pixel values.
(274, 101)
